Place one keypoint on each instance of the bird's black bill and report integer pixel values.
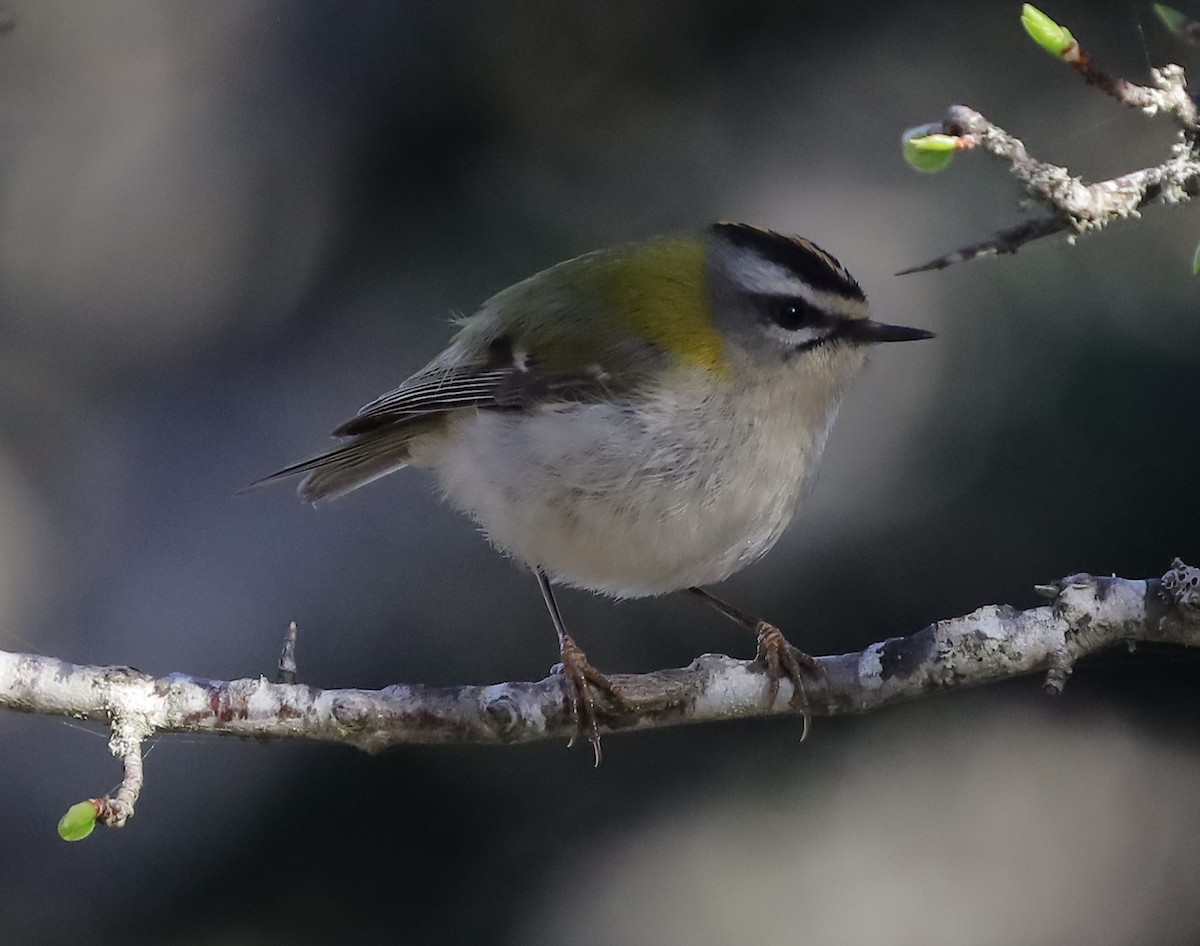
(866, 332)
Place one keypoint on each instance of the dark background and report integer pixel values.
(224, 226)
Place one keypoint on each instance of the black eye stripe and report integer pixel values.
(792, 313)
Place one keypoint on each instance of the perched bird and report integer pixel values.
(636, 421)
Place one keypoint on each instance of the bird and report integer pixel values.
(637, 421)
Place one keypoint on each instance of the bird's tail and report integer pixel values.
(348, 467)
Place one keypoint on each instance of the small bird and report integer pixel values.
(639, 420)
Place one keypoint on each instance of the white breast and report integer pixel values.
(684, 491)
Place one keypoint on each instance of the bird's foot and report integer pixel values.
(583, 683)
(781, 659)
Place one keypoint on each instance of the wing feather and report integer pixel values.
(464, 386)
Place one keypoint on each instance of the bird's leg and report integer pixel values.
(774, 651)
(581, 677)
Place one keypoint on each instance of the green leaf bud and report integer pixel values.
(79, 821)
(1055, 39)
(926, 149)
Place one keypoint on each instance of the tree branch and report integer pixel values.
(1073, 206)
(1086, 614)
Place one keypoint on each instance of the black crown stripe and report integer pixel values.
(804, 258)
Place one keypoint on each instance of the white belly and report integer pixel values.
(684, 493)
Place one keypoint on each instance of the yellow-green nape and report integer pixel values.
(813, 265)
(659, 291)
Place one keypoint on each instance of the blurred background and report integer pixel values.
(225, 226)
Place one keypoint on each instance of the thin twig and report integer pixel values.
(1006, 241)
(287, 657)
(114, 810)
(1168, 93)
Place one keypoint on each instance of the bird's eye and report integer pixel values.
(793, 314)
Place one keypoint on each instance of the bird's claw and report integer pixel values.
(582, 682)
(781, 659)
